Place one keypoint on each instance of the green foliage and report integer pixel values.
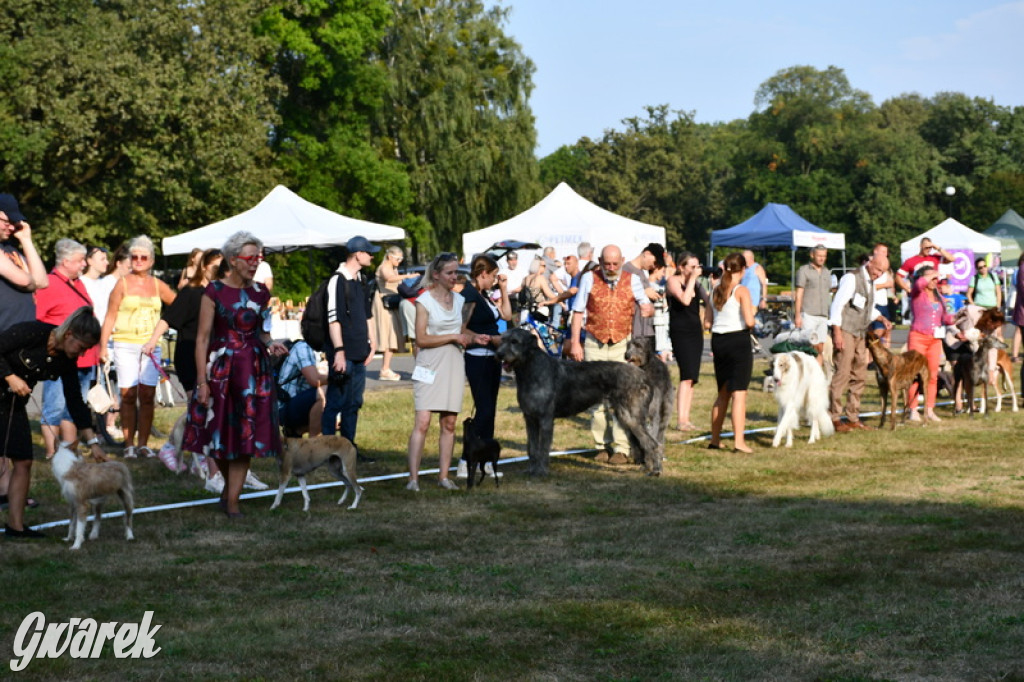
(133, 117)
(456, 115)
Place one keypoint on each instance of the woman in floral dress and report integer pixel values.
(233, 415)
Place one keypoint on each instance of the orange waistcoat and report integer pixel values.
(610, 311)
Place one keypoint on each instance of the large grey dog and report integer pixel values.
(641, 352)
(547, 388)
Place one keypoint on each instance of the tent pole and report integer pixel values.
(792, 276)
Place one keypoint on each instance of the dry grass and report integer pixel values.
(873, 556)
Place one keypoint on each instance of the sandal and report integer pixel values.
(144, 451)
(129, 452)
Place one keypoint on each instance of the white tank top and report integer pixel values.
(729, 318)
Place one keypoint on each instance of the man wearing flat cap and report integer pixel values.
(351, 339)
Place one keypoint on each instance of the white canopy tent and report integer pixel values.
(952, 234)
(563, 219)
(283, 221)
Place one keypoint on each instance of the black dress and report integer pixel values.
(686, 330)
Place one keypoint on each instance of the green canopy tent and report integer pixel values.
(1009, 230)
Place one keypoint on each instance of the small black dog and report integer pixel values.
(477, 451)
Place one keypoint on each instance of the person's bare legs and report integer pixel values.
(17, 492)
(147, 405)
(718, 415)
(417, 438)
(739, 420)
(385, 367)
(129, 411)
(51, 435)
(684, 399)
(446, 442)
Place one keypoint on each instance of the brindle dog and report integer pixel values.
(895, 374)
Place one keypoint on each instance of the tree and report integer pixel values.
(456, 115)
(133, 117)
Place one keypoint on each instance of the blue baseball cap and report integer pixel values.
(359, 243)
(9, 205)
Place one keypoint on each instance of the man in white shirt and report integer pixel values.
(850, 316)
(264, 275)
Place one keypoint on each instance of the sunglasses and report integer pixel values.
(94, 250)
(139, 257)
(251, 259)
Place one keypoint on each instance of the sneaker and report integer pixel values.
(129, 452)
(489, 470)
(169, 456)
(26, 534)
(145, 451)
(447, 484)
(252, 482)
(413, 486)
(215, 483)
(463, 471)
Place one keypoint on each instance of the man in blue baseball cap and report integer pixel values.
(351, 340)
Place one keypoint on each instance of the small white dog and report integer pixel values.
(88, 484)
(299, 456)
(802, 393)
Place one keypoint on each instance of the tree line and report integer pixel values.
(122, 117)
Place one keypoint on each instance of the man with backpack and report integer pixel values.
(350, 340)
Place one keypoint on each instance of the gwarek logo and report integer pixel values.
(82, 638)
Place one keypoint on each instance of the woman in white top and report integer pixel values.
(440, 375)
(733, 357)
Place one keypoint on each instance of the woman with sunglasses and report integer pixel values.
(133, 312)
(233, 414)
(440, 375)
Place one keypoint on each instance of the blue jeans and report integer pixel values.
(54, 407)
(345, 400)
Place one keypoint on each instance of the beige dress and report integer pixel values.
(445, 393)
(388, 323)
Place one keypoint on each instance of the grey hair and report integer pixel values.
(142, 242)
(819, 247)
(535, 265)
(585, 250)
(66, 248)
(394, 250)
(238, 241)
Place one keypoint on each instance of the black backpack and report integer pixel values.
(314, 318)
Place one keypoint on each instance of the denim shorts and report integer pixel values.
(55, 410)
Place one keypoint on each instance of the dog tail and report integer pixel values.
(825, 424)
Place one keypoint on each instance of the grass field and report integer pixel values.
(869, 556)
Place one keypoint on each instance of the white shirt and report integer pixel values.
(847, 288)
(263, 272)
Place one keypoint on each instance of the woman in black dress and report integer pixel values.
(31, 352)
(686, 330)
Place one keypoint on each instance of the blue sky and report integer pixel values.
(599, 62)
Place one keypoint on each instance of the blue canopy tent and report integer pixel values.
(777, 226)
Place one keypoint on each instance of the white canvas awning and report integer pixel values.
(952, 234)
(284, 221)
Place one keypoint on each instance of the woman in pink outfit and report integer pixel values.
(926, 333)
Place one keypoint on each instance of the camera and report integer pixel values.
(338, 380)
(716, 273)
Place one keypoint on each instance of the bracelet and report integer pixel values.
(339, 350)
(202, 383)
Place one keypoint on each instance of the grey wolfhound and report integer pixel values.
(641, 352)
(547, 388)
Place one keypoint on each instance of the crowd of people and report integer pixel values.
(247, 389)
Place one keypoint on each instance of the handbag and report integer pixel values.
(391, 301)
(100, 397)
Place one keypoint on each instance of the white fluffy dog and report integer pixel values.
(88, 484)
(802, 393)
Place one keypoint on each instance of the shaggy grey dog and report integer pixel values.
(547, 388)
(640, 352)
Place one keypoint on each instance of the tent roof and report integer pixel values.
(1009, 230)
(776, 225)
(283, 221)
(563, 219)
(951, 234)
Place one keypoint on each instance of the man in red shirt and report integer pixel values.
(930, 254)
(65, 294)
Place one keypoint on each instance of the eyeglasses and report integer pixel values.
(140, 257)
(251, 259)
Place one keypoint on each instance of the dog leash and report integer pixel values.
(165, 378)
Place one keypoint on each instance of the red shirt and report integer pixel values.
(55, 303)
(914, 262)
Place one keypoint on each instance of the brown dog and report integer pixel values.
(299, 456)
(86, 485)
(895, 374)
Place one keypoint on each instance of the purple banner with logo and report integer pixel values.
(961, 270)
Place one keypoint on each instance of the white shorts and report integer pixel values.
(816, 328)
(132, 367)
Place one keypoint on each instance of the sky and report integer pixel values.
(598, 62)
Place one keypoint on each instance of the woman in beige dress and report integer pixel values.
(388, 322)
(440, 376)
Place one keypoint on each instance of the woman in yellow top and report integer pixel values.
(132, 315)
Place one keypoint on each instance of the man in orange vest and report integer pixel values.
(608, 297)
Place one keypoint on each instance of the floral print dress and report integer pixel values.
(241, 417)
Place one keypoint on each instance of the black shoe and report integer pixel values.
(363, 459)
(28, 533)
